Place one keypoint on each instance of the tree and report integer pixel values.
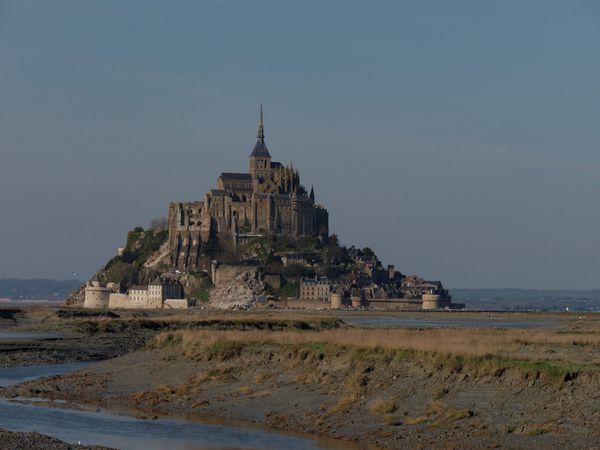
(128, 257)
(369, 253)
(245, 227)
(159, 224)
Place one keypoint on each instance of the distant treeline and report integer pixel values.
(37, 289)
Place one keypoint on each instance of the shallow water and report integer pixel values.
(26, 336)
(471, 322)
(128, 432)
(14, 375)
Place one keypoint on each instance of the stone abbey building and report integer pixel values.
(269, 199)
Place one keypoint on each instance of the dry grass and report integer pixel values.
(345, 403)
(439, 415)
(383, 406)
(391, 421)
(440, 393)
(519, 343)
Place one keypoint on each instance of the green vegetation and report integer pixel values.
(205, 285)
(245, 227)
(260, 248)
(538, 431)
(264, 247)
(139, 247)
(288, 290)
(103, 325)
(334, 253)
(142, 244)
(223, 351)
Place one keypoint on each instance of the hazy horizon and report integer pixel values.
(458, 140)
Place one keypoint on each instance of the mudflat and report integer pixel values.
(34, 441)
(449, 387)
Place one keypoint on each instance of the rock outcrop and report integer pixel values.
(238, 293)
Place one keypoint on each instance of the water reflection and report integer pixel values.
(14, 375)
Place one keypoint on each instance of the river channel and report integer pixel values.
(96, 427)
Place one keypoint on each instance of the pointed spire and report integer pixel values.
(261, 126)
(312, 194)
(260, 149)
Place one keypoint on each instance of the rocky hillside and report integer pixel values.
(144, 257)
(237, 293)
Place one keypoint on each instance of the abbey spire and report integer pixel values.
(260, 149)
(261, 125)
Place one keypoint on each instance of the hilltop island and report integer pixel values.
(259, 239)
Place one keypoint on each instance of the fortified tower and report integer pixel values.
(96, 295)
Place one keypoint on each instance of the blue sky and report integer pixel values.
(458, 139)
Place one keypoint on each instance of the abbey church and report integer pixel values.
(269, 199)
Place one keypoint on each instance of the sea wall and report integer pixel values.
(118, 301)
(176, 303)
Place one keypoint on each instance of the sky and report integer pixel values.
(460, 140)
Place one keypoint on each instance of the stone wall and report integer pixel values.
(176, 303)
(227, 274)
(395, 304)
(308, 304)
(337, 301)
(118, 301)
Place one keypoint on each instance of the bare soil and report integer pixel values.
(34, 441)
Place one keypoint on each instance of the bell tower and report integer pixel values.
(260, 159)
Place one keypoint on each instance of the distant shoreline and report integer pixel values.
(30, 301)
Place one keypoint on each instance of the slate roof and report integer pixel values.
(156, 282)
(236, 176)
(260, 149)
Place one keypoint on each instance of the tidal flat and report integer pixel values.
(532, 382)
